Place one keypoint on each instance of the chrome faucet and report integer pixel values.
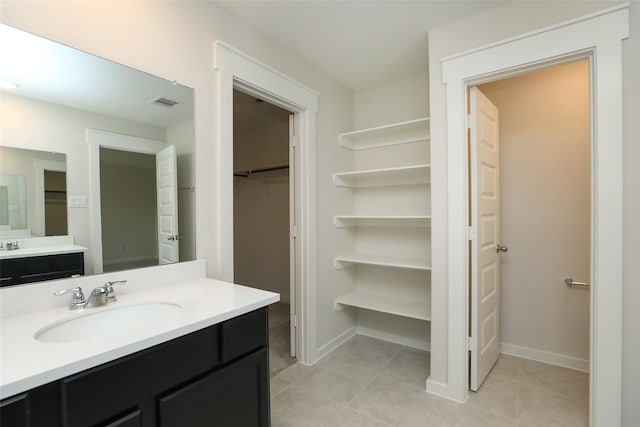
(99, 296)
(109, 288)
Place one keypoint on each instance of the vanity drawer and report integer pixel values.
(93, 396)
(244, 334)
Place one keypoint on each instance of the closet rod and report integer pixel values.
(246, 173)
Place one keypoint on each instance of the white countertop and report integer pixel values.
(26, 363)
(41, 251)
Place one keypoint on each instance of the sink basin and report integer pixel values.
(105, 323)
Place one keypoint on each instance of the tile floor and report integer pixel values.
(367, 382)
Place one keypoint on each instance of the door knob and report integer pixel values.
(501, 248)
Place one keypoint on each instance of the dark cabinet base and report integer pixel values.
(236, 396)
(217, 376)
(15, 271)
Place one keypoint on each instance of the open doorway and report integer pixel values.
(263, 214)
(591, 37)
(531, 207)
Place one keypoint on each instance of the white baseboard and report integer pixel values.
(384, 336)
(545, 357)
(333, 344)
(442, 390)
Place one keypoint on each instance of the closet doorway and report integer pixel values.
(532, 212)
(264, 214)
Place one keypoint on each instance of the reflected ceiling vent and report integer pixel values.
(164, 102)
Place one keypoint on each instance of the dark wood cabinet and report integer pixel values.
(235, 396)
(14, 411)
(217, 376)
(15, 271)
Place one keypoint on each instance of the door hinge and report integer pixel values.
(471, 344)
(295, 320)
(472, 233)
(295, 231)
(471, 120)
(292, 127)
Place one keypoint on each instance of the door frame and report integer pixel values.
(96, 139)
(599, 37)
(235, 69)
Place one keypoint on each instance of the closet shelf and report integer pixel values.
(382, 221)
(405, 175)
(412, 308)
(411, 263)
(397, 133)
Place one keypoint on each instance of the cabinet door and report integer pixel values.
(132, 419)
(235, 396)
(14, 412)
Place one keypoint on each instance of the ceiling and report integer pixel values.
(358, 43)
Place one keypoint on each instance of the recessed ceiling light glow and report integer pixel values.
(8, 85)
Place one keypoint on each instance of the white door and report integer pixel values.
(166, 180)
(484, 236)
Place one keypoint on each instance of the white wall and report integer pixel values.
(491, 26)
(545, 211)
(174, 40)
(49, 127)
(392, 102)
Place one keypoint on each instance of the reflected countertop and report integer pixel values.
(40, 246)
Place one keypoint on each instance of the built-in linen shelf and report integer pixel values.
(383, 261)
(397, 133)
(382, 221)
(405, 175)
(413, 308)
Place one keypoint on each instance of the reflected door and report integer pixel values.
(167, 206)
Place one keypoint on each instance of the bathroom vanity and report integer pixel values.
(205, 364)
(40, 258)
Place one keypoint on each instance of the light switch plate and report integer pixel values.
(77, 202)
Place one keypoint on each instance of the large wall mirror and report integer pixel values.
(96, 150)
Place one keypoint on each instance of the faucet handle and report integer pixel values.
(109, 287)
(77, 299)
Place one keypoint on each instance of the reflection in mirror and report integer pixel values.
(60, 96)
(128, 184)
(33, 193)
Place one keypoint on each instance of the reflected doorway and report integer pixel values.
(128, 209)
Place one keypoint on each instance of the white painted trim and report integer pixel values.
(236, 69)
(335, 343)
(601, 35)
(545, 357)
(40, 166)
(97, 139)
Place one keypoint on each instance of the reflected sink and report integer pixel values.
(106, 323)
